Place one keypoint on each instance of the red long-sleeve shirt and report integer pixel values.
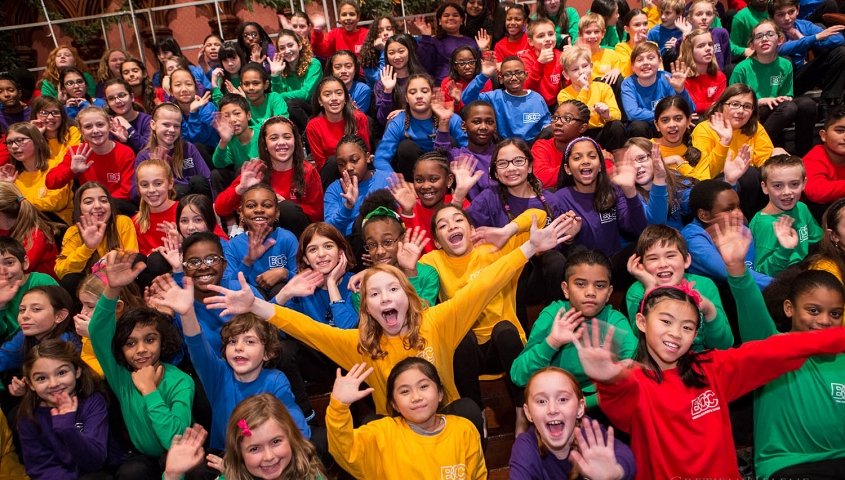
(325, 44)
(115, 170)
(682, 432)
(705, 89)
(544, 79)
(505, 48)
(547, 160)
(323, 136)
(422, 218)
(153, 238)
(825, 181)
(447, 95)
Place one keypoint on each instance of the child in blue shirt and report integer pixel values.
(667, 34)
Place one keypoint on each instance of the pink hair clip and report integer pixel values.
(684, 286)
(245, 431)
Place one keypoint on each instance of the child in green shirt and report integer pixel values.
(15, 263)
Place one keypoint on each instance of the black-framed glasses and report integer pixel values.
(120, 96)
(772, 35)
(78, 81)
(739, 105)
(509, 75)
(49, 113)
(18, 142)
(195, 263)
(466, 63)
(250, 34)
(566, 119)
(373, 246)
(516, 161)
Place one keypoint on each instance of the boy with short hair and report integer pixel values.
(783, 180)
(13, 266)
(238, 140)
(542, 60)
(14, 110)
(667, 34)
(661, 259)
(825, 163)
(743, 22)
(607, 65)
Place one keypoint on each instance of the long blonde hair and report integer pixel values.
(687, 57)
(103, 71)
(51, 74)
(143, 217)
(370, 331)
(178, 155)
(27, 218)
(42, 148)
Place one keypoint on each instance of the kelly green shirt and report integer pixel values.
(768, 80)
(295, 87)
(217, 94)
(426, 283)
(9, 315)
(572, 30)
(771, 257)
(236, 153)
(274, 105)
(48, 88)
(743, 23)
(538, 353)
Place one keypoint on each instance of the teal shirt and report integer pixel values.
(302, 88)
(713, 334)
(9, 315)
(538, 353)
(771, 258)
(236, 153)
(799, 417)
(426, 283)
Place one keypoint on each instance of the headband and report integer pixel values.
(684, 287)
(580, 139)
(383, 212)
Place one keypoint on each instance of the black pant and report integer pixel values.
(641, 128)
(826, 71)
(610, 137)
(802, 112)
(198, 184)
(329, 173)
(299, 111)
(292, 218)
(472, 360)
(825, 470)
(222, 178)
(828, 6)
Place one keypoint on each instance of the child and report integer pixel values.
(516, 42)
(742, 23)
(128, 126)
(195, 213)
(18, 281)
(64, 56)
(238, 140)
(209, 56)
(607, 66)
(562, 440)
(372, 50)
(542, 60)
(154, 180)
(135, 74)
(478, 120)
(14, 110)
(569, 121)
(19, 219)
(255, 85)
(156, 397)
(334, 117)
(478, 18)
(167, 47)
(648, 85)
(778, 107)
(349, 37)
(667, 34)
(701, 14)
(48, 115)
(466, 65)
(636, 27)
(661, 259)
(64, 396)
(344, 196)
(190, 172)
(673, 119)
(73, 92)
(587, 288)
(519, 112)
(430, 444)
(400, 62)
(604, 125)
(344, 65)
(299, 75)
(705, 81)
(255, 43)
(665, 195)
(608, 10)
(825, 163)
(653, 401)
(435, 51)
(830, 257)
(412, 131)
(197, 112)
(565, 19)
(784, 178)
(227, 78)
(260, 432)
(28, 169)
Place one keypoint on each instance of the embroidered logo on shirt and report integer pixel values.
(358, 48)
(711, 91)
(717, 48)
(704, 404)
(187, 163)
(42, 192)
(531, 117)
(654, 104)
(113, 177)
(609, 216)
(837, 391)
(278, 261)
(555, 79)
(427, 353)
(803, 234)
(775, 80)
(80, 426)
(455, 472)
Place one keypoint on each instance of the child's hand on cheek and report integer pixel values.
(147, 379)
(64, 404)
(637, 270)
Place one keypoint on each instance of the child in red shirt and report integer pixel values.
(158, 207)
(348, 37)
(516, 41)
(20, 220)
(825, 163)
(466, 65)
(705, 82)
(542, 60)
(334, 117)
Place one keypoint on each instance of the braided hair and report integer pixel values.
(532, 180)
(434, 118)
(693, 155)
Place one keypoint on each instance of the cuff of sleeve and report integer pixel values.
(64, 421)
(546, 351)
(153, 399)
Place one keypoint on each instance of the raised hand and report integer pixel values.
(564, 327)
(403, 192)
(91, 230)
(259, 244)
(441, 108)
(496, 236)
(423, 26)
(467, 174)
(232, 302)
(719, 123)
(354, 284)
(543, 239)
(39, 124)
(252, 173)
(169, 293)
(488, 64)
(147, 379)
(8, 173)
(200, 102)
(119, 270)
(216, 75)
(736, 165)
(388, 78)
(347, 387)
(232, 89)
(161, 153)
(185, 452)
(79, 159)
(658, 166)
(411, 249)
(8, 290)
(270, 278)
(256, 55)
(277, 64)
(349, 185)
(546, 55)
(81, 322)
(64, 404)
(455, 91)
(201, 55)
(683, 25)
(732, 240)
(170, 252)
(223, 127)
(483, 40)
(302, 284)
(595, 456)
(319, 22)
(625, 177)
(118, 129)
(786, 235)
(597, 358)
(679, 76)
(17, 387)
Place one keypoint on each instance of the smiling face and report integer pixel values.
(702, 16)
(348, 18)
(36, 316)
(205, 275)
(672, 124)
(352, 159)
(515, 21)
(637, 26)
(588, 289)
(833, 137)
(665, 263)
(183, 86)
(253, 86)
(267, 452)
(474, 8)
(154, 183)
(94, 128)
(322, 254)
(116, 59)
(431, 182)
(132, 73)
(191, 221)
(452, 232)
(118, 99)
(584, 164)
(511, 175)
(381, 239)
(289, 48)
(784, 186)
(512, 75)
(65, 58)
(396, 55)
(94, 202)
(21, 147)
(450, 21)
(543, 37)
(387, 303)
(480, 126)
(554, 408)
(646, 64)
(669, 329)
(245, 354)
(418, 96)
(643, 166)
(50, 377)
(592, 36)
(143, 347)
(552, 6)
(417, 398)
(332, 98)
(280, 144)
(725, 205)
(74, 85)
(343, 67)
(167, 125)
(11, 269)
(738, 116)
(258, 208)
(816, 309)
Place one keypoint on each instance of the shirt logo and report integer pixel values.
(837, 391)
(455, 472)
(278, 261)
(654, 104)
(609, 216)
(775, 80)
(531, 117)
(705, 403)
(803, 234)
(717, 48)
(554, 79)
(427, 353)
(358, 48)
(42, 192)
(711, 91)
(187, 163)
(113, 177)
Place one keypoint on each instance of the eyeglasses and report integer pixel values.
(763, 35)
(195, 263)
(373, 246)
(509, 75)
(250, 34)
(119, 96)
(49, 113)
(466, 63)
(78, 81)
(516, 161)
(18, 142)
(566, 119)
(645, 158)
(737, 106)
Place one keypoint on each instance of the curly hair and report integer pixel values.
(103, 71)
(298, 185)
(370, 55)
(51, 73)
(169, 335)
(266, 332)
(148, 90)
(306, 53)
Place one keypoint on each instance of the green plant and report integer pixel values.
(274, 4)
(376, 8)
(416, 7)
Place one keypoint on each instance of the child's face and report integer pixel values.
(280, 141)
(453, 232)
(236, 116)
(232, 65)
(672, 124)
(322, 254)
(253, 85)
(381, 240)
(785, 17)
(89, 302)
(353, 160)
(385, 29)
(74, 85)
(702, 49)
(738, 110)
(703, 15)
(267, 452)
(637, 25)
(258, 208)
(250, 36)
(132, 73)
(119, 100)
(9, 95)
(815, 310)
(300, 26)
(418, 96)
(332, 98)
(588, 289)
(515, 21)
(167, 126)
(592, 35)
(665, 263)
(643, 165)
(94, 128)
(513, 75)
(212, 48)
(416, 397)
(584, 164)
(50, 377)
(668, 17)
(387, 303)
(465, 64)
(669, 331)
(544, 37)
(11, 269)
(20, 146)
(577, 69)
(65, 58)
(52, 117)
(833, 137)
(646, 64)
(95, 203)
(481, 125)
(784, 187)
(431, 182)
(183, 86)
(36, 315)
(475, 7)
(725, 205)
(552, 6)
(348, 18)
(153, 186)
(397, 55)
(554, 408)
(163, 55)
(765, 39)
(570, 125)
(512, 175)
(343, 67)
(289, 48)
(206, 274)
(450, 21)
(143, 347)
(170, 65)
(614, 18)
(191, 221)
(245, 354)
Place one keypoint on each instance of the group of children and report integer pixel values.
(182, 251)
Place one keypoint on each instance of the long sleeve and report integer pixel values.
(10, 466)
(102, 327)
(547, 162)
(170, 416)
(74, 253)
(618, 400)
(61, 175)
(825, 181)
(393, 134)
(315, 132)
(752, 314)
(336, 212)
(89, 446)
(39, 459)
(657, 207)
(537, 353)
(630, 102)
(47, 200)
(314, 202)
(349, 446)
(384, 102)
(336, 343)
(197, 127)
(11, 353)
(211, 369)
(713, 152)
(303, 89)
(630, 213)
(228, 200)
(473, 89)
